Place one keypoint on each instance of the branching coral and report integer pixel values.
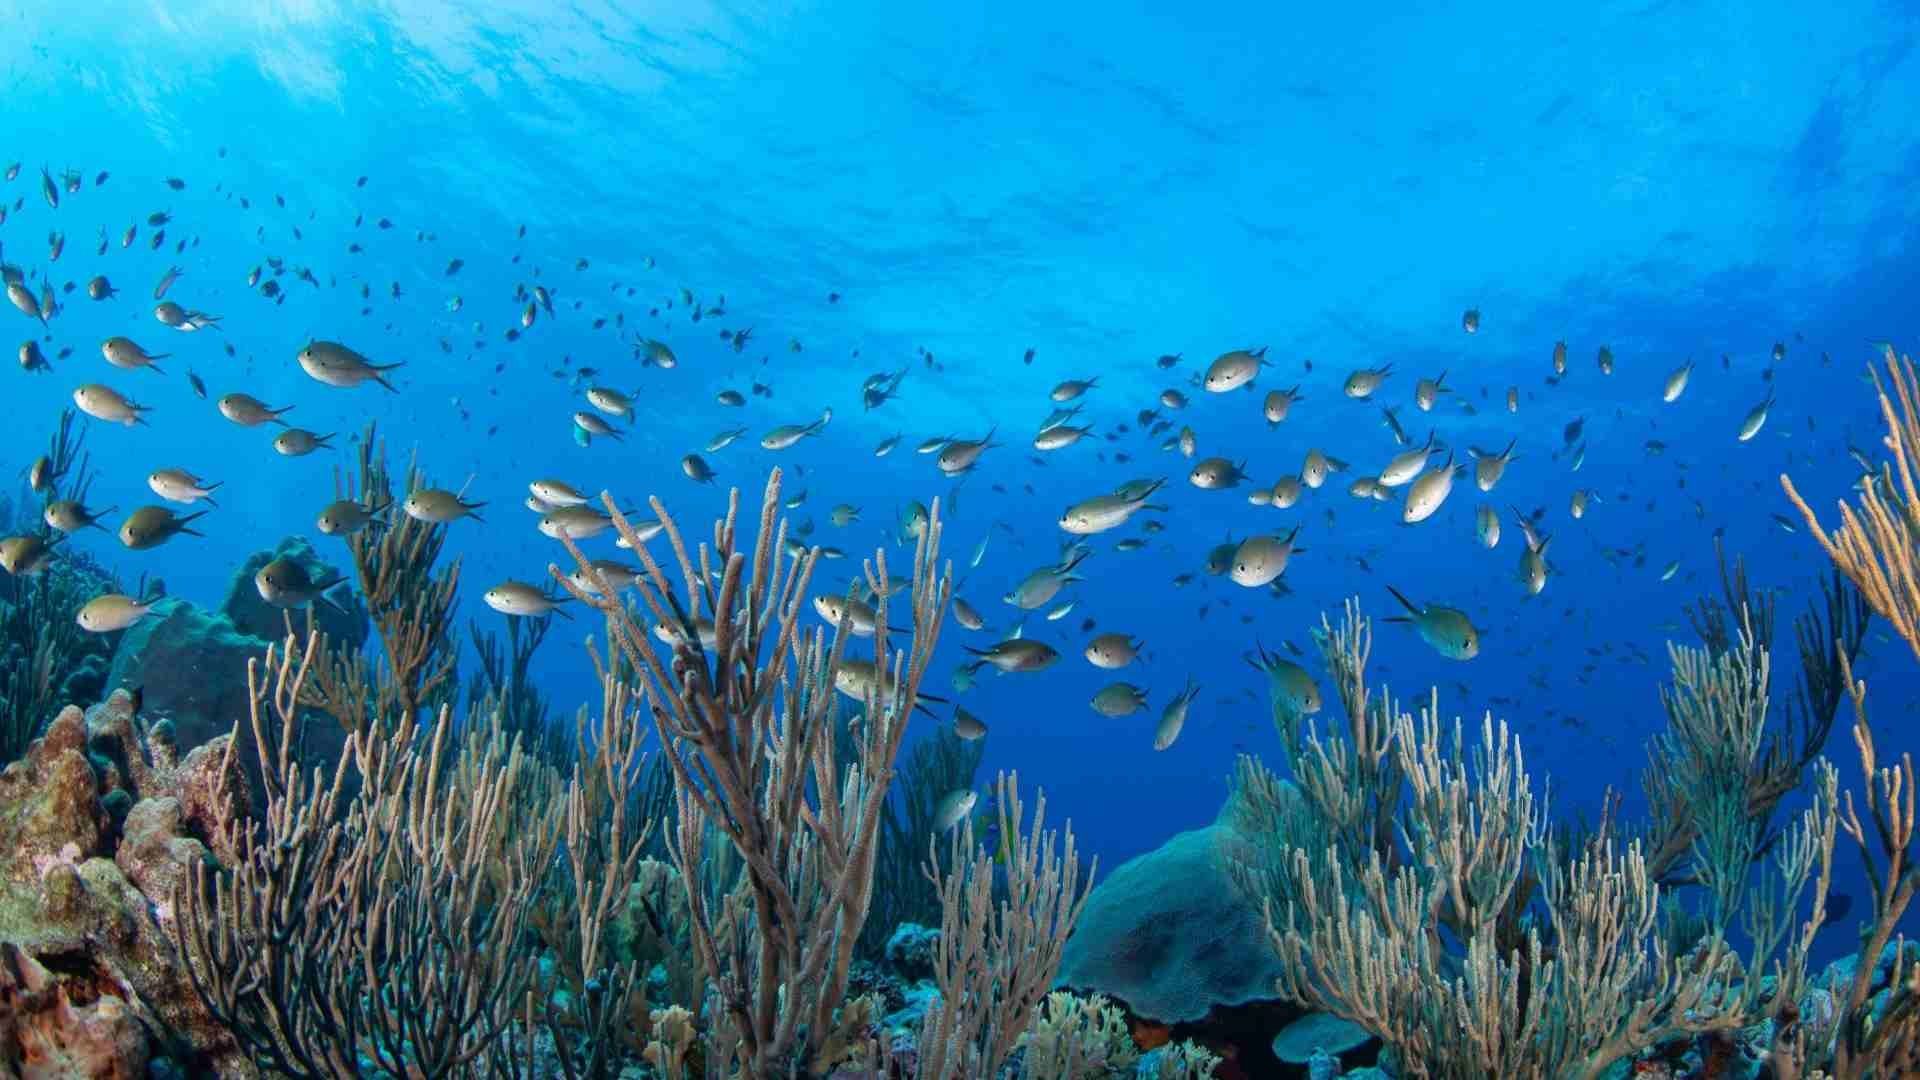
(411, 604)
(748, 735)
(1877, 547)
(46, 661)
(602, 848)
(1736, 793)
(1432, 940)
(1885, 1042)
(940, 763)
(996, 959)
(388, 924)
(504, 678)
(1076, 1038)
(1716, 724)
(1876, 542)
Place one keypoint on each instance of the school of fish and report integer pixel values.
(1417, 477)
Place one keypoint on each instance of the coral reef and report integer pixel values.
(46, 661)
(1167, 933)
(519, 926)
(46, 1034)
(83, 892)
(309, 854)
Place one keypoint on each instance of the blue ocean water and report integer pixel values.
(1101, 185)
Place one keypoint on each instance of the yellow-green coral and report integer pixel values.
(1076, 1038)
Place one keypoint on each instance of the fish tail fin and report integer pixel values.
(153, 367)
(1260, 664)
(1404, 602)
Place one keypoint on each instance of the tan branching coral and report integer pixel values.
(1420, 938)
(996, 958)
(748, 734)
(411, 604)
(602, 862)
(387, 924)
(1876, 543)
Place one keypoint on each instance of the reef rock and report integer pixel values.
(341, 615)
(68, 891)
(1170, 934)
(911, 949)
(142, 761)
(45, 1033)
(50, 809)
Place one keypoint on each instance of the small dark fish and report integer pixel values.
(176, 183)
(100, 179)
(199, 388)
(1028, 359)
(1571, 433)
(1838, 904)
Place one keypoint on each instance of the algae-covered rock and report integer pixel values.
(190, 666)
(156, 853)
(142, 762)
(1170, 934)
(50, 809)
(341, 615)
(64, 894)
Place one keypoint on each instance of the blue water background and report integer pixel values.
(1099, 183)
